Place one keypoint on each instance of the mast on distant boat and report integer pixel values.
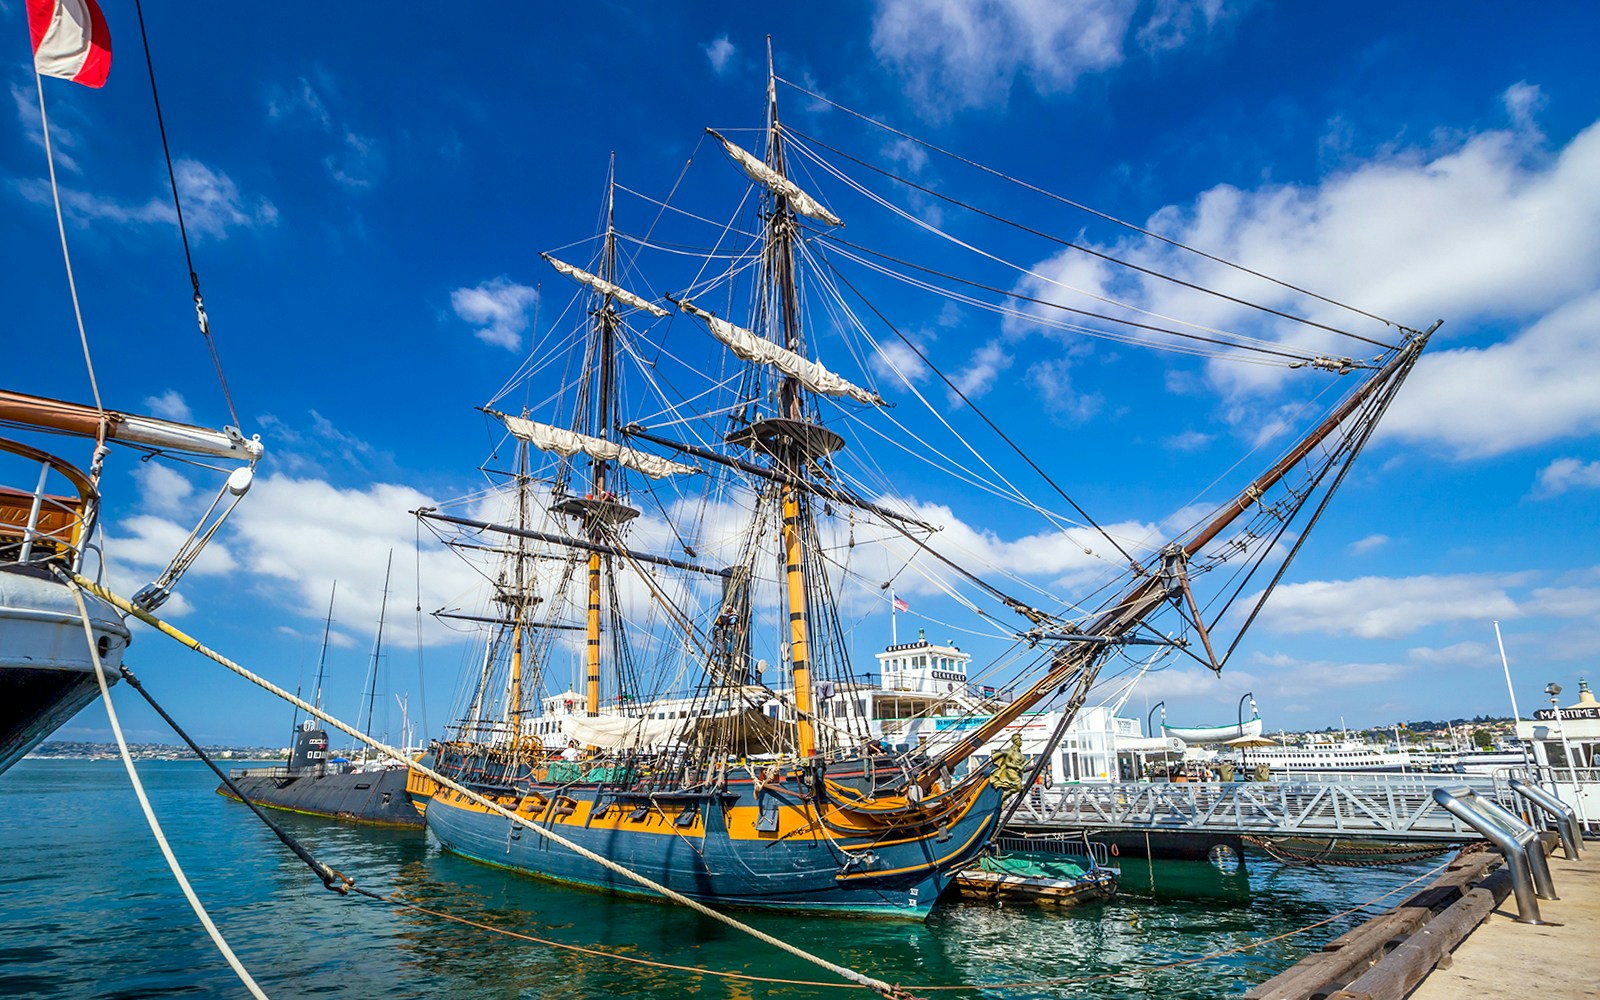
(377, 648)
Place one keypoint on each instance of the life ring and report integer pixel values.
(1116, 852)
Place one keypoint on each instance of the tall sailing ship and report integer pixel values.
(691, 538)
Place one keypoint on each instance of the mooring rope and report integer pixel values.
(853, 979)
(144, 801)
(127, 607)
(1356, 856)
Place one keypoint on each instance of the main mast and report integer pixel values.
(601, 427)
(792, 455)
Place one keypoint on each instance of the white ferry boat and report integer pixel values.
(1328, 755)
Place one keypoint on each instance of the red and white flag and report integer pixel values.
(900, 605)
(70, 40)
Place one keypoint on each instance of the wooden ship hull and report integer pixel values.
(801, 843)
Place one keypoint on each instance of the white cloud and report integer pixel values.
(163, 490)
(1364, 545)
(170, 405)
(956, 54)
(1523, 102)
(296, 536)
(1535, 387)
(1567, 474)
(1174, 23)
(1564, 602)
(499, 308)
(1052, 380)
(298, 102)
(149, 542)
(1461, 654)
(1188, 440)
(985, 366)
(1375, 607)
(212, 204)
(1492, 229)
(720, 53)
(356, 163)
(62, 138)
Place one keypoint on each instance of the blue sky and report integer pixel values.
(367, 196)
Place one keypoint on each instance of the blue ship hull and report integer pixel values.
(711, 847)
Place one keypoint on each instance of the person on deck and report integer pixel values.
(572, 752)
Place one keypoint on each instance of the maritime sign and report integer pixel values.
(1549, 714)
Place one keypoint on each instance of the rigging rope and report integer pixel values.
(126, 607)
(72, 284)
(194, 279)
(982, 415)
(76, 584)
(1088, 250)
(1085, 208)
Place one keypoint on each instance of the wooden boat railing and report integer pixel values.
(36, 525)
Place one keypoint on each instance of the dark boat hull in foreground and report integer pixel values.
(46, 671)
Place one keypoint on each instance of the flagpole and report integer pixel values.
(894, 634)
(1506, 665)
(61, 227)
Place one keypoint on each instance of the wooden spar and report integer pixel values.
(566, 540)
(780, 272)
(1150, 592)
(799, 655)
(85, 421)
(514, 702)
(601, 422)
(591, 701)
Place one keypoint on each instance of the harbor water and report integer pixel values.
(88, 908)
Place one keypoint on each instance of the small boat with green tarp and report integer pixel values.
(1028, 877)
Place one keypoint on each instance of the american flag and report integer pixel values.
(900, 605)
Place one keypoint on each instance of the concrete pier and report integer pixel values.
(1505, 960)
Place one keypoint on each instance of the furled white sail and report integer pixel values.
(751, 347)
(621, 732)
(778, 184)
(605, 287)
(564, 442)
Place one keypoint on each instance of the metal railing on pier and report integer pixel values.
(1385, 807)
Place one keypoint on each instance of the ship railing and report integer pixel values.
(1388, 811)
(1092, 852)
(261, 772)
(1519, 842)
(36, 525)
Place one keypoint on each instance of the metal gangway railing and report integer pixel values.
(1382, 807)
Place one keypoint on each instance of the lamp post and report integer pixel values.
(1554, 690)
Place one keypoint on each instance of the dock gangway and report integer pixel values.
(1397, 807)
